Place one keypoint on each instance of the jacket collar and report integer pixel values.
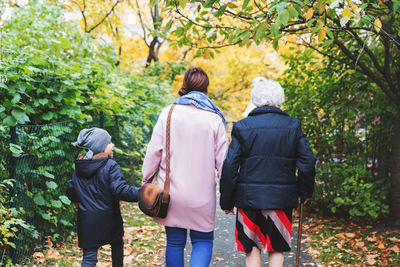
(97, 156)
(267, 109)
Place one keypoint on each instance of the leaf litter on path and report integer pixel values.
(144, 244)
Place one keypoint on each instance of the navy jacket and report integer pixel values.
(98, 185)
(259, 171)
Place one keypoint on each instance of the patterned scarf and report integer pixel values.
(199, 100)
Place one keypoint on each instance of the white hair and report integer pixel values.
(266, 92)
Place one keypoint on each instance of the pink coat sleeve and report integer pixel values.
(221, 148)
(152, 159)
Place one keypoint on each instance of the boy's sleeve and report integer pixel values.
(71, 192)
(120, 188)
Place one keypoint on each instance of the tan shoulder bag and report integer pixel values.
(153, 200)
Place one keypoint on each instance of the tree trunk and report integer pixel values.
(384, 147)
(395, 174)
(153, 52)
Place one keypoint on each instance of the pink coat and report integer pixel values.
(198, 148)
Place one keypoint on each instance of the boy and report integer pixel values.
(97, 185)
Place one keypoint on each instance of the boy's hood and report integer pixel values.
(88, 168)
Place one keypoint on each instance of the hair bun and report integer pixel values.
(183, 91)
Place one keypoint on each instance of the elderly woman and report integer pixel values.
(198, 148)
(259, 175)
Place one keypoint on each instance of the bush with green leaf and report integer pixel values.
(349, 189)
(348, 123)
(11, 221)
(55, 81)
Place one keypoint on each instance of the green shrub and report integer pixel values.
(11, 221)
(349, 124)
(59, 81)
(350, 190)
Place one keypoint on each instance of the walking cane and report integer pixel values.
(299, 235)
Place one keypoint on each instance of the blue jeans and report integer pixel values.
(202, 244)
(117, 255)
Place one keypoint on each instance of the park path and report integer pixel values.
(226, 255)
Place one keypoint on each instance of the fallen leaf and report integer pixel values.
(329, 239)
(350, 235)
(394, 239)
(381, 246)
(39, 257)
(52, 254)
(360, 244)
(48, 242)
(371, 259)
(219, 259)
(341, 235)
(395, 249)
(127, 250)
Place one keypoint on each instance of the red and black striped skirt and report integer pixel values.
(269, 230)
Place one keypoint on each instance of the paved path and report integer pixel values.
(226, 255)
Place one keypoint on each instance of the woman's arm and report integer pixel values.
(221, 148)
(155, 147)
(230, 172)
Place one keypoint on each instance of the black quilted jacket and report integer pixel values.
(266, 150)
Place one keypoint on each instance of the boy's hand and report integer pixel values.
(229, 212)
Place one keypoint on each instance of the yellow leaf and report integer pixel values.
(329, 239)
(381, 246)
(341, 235)
(321, 34)
(346, 12)
(355, 9)
(377, 25)
(309, 14)
(350, 235)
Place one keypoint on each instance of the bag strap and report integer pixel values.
(168, 144)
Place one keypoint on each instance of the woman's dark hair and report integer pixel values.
(195, 79)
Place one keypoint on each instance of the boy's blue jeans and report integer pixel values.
(117, 254)
(202, 244)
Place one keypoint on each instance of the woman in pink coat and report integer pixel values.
(198, 148)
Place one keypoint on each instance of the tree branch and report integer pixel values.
(261, 9)
(372, 75)
(202, 26)
(82, 10)
(368, 51)
(105, 17)
(324, 53)
(142, 24)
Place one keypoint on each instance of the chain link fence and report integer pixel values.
(43, 162)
